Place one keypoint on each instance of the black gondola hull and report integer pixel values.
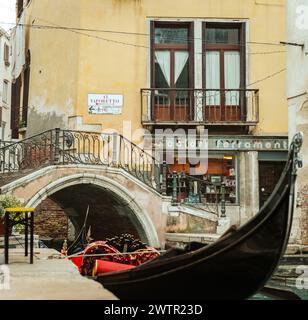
(235, 267)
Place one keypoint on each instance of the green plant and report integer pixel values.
(9, 201)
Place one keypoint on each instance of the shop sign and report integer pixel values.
(249, 144)
(214, 143)
(105, 103)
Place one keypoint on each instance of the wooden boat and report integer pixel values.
(235, 267)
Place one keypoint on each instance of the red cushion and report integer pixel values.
(102, 266)
(77, 261)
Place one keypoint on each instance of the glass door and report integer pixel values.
(171, 73)
(222, 69)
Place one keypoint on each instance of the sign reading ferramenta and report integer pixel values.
(251, 143)
(215, 143)
(105, 103)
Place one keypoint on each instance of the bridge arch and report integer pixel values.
(150, 234)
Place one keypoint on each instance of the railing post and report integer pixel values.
(182, 185)
(174, 188)
(57, 145)
(164, 179)
(223, 201)
(114, 148)
(51, 147)
(190, 189)
(152, 105)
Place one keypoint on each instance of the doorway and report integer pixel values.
(269, 174)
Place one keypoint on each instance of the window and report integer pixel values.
(223, 70)
(221, 169)
(6, 55)
(172, 69)
(5, 91)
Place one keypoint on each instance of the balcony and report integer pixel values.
(200, 106)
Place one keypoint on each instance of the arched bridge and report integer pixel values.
(123, 185)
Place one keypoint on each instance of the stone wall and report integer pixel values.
(184, 223)
(303, 204)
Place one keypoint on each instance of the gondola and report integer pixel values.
(236, 266)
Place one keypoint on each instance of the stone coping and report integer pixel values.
(49, 278)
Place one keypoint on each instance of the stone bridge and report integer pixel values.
(114, 196)
(61, 173)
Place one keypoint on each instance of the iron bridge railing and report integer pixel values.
(58, 146)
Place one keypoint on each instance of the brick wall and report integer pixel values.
(50, 220)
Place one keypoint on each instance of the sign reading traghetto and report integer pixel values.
(105, 103)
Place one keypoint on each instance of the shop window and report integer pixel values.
(221, 169)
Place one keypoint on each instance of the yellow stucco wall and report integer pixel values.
(66, 65)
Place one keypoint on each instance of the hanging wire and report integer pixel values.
(81, 30)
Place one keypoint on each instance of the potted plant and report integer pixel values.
(7, 201)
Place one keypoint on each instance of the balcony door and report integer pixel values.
(171, 73)
(223, 72)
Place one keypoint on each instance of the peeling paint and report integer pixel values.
(39, 121)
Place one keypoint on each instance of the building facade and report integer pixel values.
(297, 93)
(145, 66)
(5, 86)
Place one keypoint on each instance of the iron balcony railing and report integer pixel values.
(209, 106)
(4, 143)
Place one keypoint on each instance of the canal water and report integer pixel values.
(303, 294)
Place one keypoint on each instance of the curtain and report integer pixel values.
(180, 59)
(163, 59)
(212, 71)
(232, 77)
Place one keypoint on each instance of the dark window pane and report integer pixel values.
(171, 35)
(183, 79)
(222, 35)
(162, 69)
(160, 80)
(182, 97)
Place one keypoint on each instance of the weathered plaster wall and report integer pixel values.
(189, 224)
(67, 65)
(54, 64)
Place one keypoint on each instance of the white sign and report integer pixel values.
(302, 17)
(105, 103)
